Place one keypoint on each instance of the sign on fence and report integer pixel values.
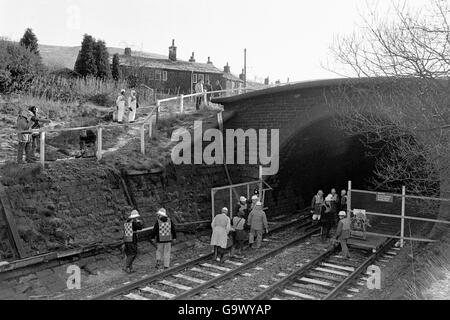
(384, 197)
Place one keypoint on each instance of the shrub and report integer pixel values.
(18, 66)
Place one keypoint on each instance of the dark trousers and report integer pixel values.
(326, 227)
(27, 147)
(198, 102)
(219, 252)
(131, 253)
(35, 144)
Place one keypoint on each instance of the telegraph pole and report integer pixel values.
(245, 68)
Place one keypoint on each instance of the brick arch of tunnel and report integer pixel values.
(314, 153)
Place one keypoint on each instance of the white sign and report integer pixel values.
(384, 197)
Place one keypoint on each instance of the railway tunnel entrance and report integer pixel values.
(319, 156)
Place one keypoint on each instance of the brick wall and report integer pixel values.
(313, 153)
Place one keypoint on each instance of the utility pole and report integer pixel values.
(245, 68)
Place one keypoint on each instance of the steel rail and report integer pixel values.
(358, 270)
(136, 284)
(293, 275)
(241, 268)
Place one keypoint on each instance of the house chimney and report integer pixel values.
(173, 51)
(127, 52)
(192, 59)
(226, 69)
(266, 81)
(209, 61)
(242, 75)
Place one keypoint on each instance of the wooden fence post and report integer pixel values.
(143, 139)
(42, 148)
(99, 143)
(158, 105)
(402, 225)
(212, 202)
(181, 103)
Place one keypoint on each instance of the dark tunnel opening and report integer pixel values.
(321, 156)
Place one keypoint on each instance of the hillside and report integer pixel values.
(57, 57)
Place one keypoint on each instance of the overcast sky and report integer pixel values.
(284, 38)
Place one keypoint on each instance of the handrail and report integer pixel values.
(92, 127)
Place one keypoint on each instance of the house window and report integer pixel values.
(194, 78)
(158, 75)
(207, 78)
(201, 77)
(151, 74)
(164, 75)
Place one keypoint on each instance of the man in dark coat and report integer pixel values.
(327, 214)
(132, 225)
(164, 232)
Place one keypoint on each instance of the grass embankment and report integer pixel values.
(157, 150)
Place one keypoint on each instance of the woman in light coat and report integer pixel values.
(132, 105)
(221, 226)
(120, 106)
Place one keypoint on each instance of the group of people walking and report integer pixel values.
(163, 232)
(122, 102)
(234, 233)
(329, 212)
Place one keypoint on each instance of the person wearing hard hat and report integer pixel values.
(253, 201)
(221, 226)
(132, 225)
(258, 223)
(24, 123)
(239, 234)
(164, 232)
(242, 206)
(343, 233)
(327, 214)
(316, 204)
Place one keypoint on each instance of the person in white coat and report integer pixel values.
(120, 104)
(132, 105)
(221, 226)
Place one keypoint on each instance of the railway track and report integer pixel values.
(193, 277)
(328, 276)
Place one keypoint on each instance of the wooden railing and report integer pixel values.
(151, 120)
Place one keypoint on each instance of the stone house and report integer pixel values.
(172, 75)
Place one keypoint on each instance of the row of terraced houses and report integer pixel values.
(173, 74)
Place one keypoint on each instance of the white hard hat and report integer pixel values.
(162, 212)
(134, 214)
(259, 203)
(254, 197)
(342, 213)
(329, 198)
(224, 210)
(242, 199)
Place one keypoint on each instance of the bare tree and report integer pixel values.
(402, 107)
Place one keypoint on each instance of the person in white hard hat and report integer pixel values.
(132, 225)
(343, 233)
(164, 232)
(254, 200)
(221, 226)
(242, 206)
(316, 204)
(258, 223)
(327, 214)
